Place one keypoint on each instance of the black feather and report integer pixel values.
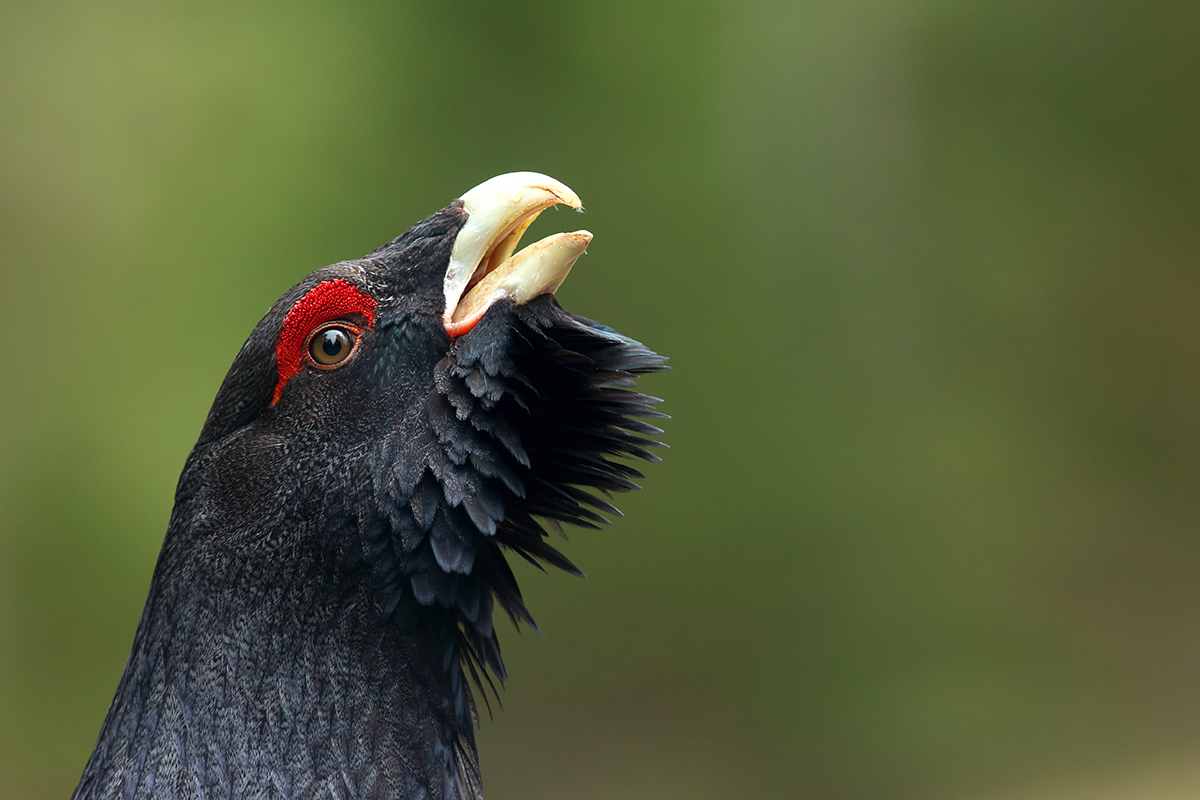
(324, 598)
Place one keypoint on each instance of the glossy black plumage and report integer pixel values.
(324, 596)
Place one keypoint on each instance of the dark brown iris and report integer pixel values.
(329, 346)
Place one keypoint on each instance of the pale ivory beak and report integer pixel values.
(483, 268)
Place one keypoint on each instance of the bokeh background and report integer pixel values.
(929, 276)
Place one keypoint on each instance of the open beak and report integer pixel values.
(483, 267)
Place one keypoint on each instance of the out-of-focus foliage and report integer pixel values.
(929, 275)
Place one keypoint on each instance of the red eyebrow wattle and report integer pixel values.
(324, 302)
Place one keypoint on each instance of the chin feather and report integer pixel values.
(530, 424)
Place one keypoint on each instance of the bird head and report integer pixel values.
(418, 413)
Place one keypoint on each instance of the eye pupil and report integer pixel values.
(334, 341)
(332, 346)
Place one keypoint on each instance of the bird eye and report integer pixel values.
(330, 346)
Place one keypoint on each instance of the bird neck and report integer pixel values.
(255, 674)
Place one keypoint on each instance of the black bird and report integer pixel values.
(323, 601)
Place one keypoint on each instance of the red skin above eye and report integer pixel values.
(324, 302)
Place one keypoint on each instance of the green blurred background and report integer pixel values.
(929, 276)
